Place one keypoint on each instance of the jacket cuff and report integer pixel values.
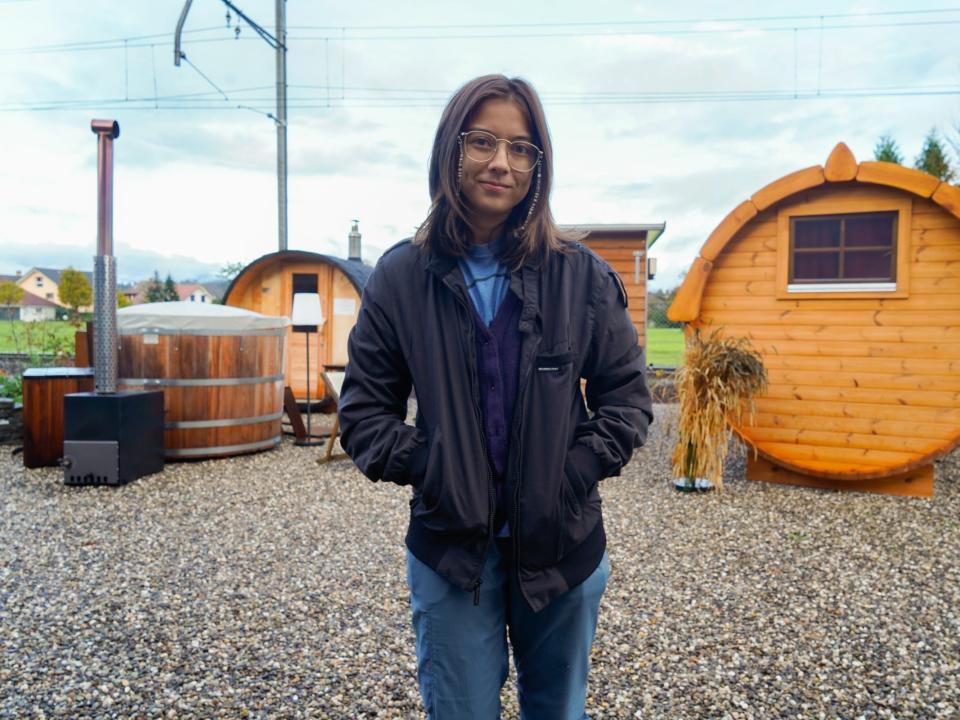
(583, 469)
(418, 464)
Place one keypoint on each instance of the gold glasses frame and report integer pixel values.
(496, 144)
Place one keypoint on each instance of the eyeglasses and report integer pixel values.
(481, 146)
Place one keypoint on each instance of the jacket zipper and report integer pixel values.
(491, 491)
(518, 414)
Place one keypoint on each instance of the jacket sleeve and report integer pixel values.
(616, 392)
(376, 387)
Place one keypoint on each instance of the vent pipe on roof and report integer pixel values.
(354, 236)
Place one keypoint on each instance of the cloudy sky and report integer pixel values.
(659, 111)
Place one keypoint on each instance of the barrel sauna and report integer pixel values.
(268, 284)
(845, 278)
(220, 368)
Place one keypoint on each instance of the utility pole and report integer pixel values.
(282, 122)
(278, 43)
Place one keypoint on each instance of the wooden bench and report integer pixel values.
(333, 383)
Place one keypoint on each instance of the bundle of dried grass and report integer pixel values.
(719, 380)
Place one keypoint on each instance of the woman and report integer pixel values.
(493, 315)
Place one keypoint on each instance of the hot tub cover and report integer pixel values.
(167, 317)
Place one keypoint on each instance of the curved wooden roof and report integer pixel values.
(356, 271)
(841, 166)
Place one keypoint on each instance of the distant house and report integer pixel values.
(194, 292)
(44, 283)
(134, 292)
(217, 288)
(30, 309)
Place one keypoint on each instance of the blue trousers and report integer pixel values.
(462, 647)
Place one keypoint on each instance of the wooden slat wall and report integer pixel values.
(618, 252)
(210, 357)
(858, 387)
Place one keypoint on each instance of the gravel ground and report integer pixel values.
(267, 586)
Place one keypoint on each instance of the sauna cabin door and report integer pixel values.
(308, 282)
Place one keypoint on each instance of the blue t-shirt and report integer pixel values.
(487, 278)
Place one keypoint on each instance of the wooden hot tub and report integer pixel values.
(220, 369)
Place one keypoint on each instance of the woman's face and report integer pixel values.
(492, 189)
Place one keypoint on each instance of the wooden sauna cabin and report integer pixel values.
(220, 369)
(846, 278)
(267, 286)
(626, 250)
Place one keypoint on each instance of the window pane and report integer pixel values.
(868, 265)
(304, 283)
(871, 230)
(816, 266)
(816, 234)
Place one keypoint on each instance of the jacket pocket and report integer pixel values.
(431, 485)
(578, 516)
(554, 363)
(568, 514)
(555, 377)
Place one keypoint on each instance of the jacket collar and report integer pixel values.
(524, 283)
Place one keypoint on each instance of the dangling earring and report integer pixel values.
(533, 203)
(460, 165)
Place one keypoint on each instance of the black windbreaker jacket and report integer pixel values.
(415, 329)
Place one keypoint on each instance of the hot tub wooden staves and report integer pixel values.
(846, 278)
(220, 369)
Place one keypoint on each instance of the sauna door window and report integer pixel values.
(849, 251)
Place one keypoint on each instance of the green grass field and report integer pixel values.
(664, 346)
(49, 337)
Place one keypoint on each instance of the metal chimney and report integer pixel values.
(109, 437)
(104, 264)
(354, 236)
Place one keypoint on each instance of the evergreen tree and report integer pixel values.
(887, 150)
(170, 293)
(933, 158)
(154, 290)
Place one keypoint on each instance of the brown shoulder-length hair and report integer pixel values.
(446, 230)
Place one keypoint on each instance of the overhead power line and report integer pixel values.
(588, 23)
(98, 44)
(523, 34)
(204, 76)
(532, 30)
(434, 98)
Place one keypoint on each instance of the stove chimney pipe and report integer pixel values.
(353, 252)
(105, 266)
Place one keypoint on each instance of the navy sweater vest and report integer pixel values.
(498, 364)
